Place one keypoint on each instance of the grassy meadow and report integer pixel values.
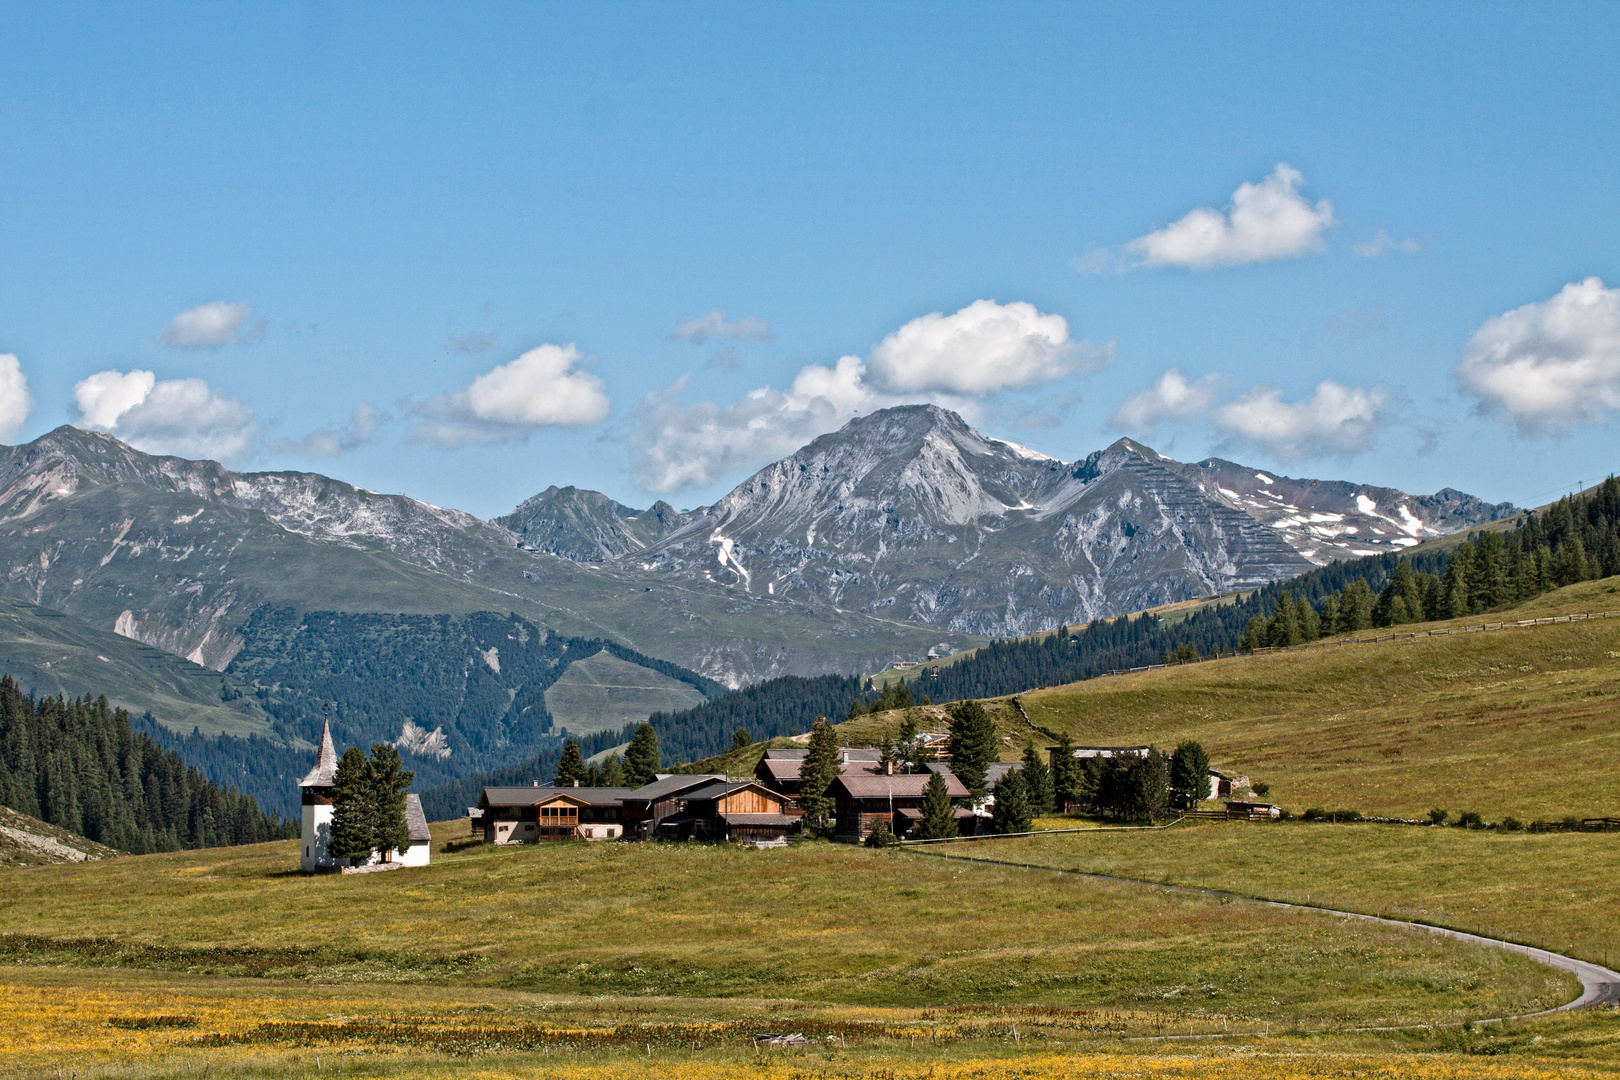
(1522, 721)
(679, 952)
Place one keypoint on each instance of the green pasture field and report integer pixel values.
(817, 923)
(603, 692)
(1552, 890)
(1522, 722)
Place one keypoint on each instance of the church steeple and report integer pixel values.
(325, 770)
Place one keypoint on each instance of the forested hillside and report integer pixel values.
(76, 763)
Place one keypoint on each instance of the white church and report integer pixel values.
(316, 789)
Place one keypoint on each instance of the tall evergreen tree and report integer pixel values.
(641, 757)
(353, 836)
(740, 739)
(387, 781)
(1065, 774)
(938, 815)
(973, 745)
(1189, 774)
(1012, 813)
(571, 766)
(816, 774)
(612, 772)
(1038, 779)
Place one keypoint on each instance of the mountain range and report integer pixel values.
(902, 532)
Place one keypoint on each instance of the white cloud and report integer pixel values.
(105, 396)
(981, 349)
(185, 417)
(1383, 243)
(1335, 420)
(1267, 220)
(218, 322)
(714, 327)
(15, 400)
(677, 446)
(541, 388)
(337, 439)
(1549, 365)
(949, 360)
(1170, 397)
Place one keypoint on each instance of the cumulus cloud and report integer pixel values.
(186, 417)
(981, 349)
(1335, 420)
(1550, 365)
(15, 400)
(1383, 243)
(950, 360)
(676, 446)
(541, 388)
(336, 439)
(714, 327)
(1170, 397)
(210, 325)
(1267, 220)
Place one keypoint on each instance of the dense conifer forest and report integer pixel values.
(77, 763)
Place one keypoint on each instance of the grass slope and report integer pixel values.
(816, 922)
(27, 841)
(1522, 721)
(604, 691)
(51, 653)
(1552, 890)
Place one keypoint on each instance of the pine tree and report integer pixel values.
(1328, 621)
(1065, 774)
(1355, 607)
(740, 739)
(352, 836)
(973, 745)
(1189, 774)
(1256, 635)
(1038, 779)
(1282, 629)
(1310, 627)
(641, 757)
(1012, 813)
(571, 767)
(816, 774)
(1147, 784)
(387, 781)
(612, 772)
(938, 815)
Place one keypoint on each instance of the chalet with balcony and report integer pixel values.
(528, 815)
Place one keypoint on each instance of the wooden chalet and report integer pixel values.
(650, 804)
(779, 770)
(721, 810)
(528, 815)
(863, 799)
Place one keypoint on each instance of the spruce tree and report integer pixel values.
(1189, 774)
(1038, 779)
(1147, 783)
(973, 745)
(1012, 813)
(612, 772)
(1065, 774)
(1310, 626)
(387, 781)
(740, 739)
(570, 767)
(1328, 621)
(641, 757)
(352, 834)
(816, 774)
(938, 815)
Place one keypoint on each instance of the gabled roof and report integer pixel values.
(416, 821)
(670, 785)
(997, 769)
(785, 755)
(859, 761)
(533, 796)
(718, 788)
(324, 774)
(904, 786)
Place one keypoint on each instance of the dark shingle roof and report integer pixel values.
(907, 786)
(416, 821)
(528, 796)
(757, 819)
(998, 769)
(785, 755)
(671, 785)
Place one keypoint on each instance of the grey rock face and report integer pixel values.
(587, 526)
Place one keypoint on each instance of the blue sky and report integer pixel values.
(499, 233)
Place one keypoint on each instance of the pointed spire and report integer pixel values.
(325, 770)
